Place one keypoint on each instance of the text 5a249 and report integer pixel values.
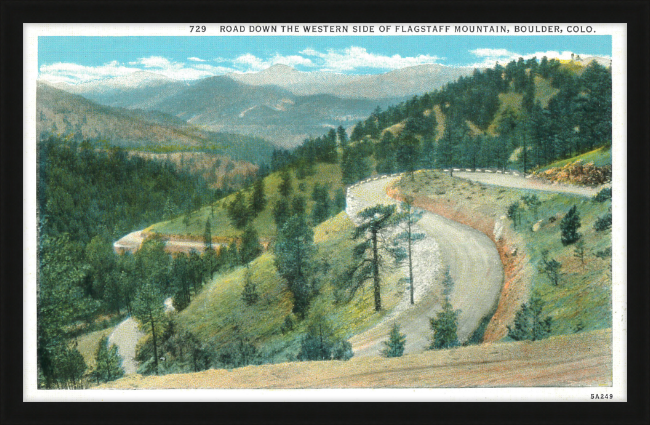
(602, 396)
(197, 28)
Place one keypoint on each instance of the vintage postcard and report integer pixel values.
(430, 212)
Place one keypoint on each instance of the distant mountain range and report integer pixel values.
(400, 83)
(279, 104)
(60, 112)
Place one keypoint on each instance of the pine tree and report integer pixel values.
(250, 245)
(358, 132)
(281, 212)
(366, 256)
(445, 327)
(321, 211)
(570, 225)
(428, 155)
(551, 268)
(107, 362)
(529, 323)
(394, 347)
(286, 185)
(343, 137)
(249, 294)
(339, 200)
(294, 250)
(409, 217)
(298, 205)
(148, 310)
(579, 252)
(408, 154)
(207, 235)
(238, 212)
(258, 199)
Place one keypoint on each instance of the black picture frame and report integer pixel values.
(635, 14)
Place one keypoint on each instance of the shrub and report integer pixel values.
(445, 327)
(320, 343)
(395, 344)
(529, 323)
(604, 195)
(603, 222)
(570, 225)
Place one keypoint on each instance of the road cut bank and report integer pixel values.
(515, 284)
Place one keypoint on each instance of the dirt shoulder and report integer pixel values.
(565, 361)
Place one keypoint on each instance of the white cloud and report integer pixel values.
(353, 57)
(249, 62)
(195, 59)
(72, 73)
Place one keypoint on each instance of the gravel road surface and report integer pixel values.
(473, 261)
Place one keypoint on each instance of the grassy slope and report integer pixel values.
(88, 343)
(543, 92)
(215, 312)
(584, 294)
(600, 157)
(264, 223)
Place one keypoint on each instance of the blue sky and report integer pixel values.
(80, 59)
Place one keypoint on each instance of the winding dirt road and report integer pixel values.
(473, 262)
(126, 336)
(520, 182)
(133, 241)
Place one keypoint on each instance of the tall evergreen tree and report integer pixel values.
(249, 293)
(321, 211)
(148, 310)
(428, 155)
(409, 217)
(366, 258)
(207, 235)
(408, 154)
(570, 225)
(294, 250)
(107, 362)
(281, 213)
(250, 245)
(286, 185)
(258, 198)
(358, 132)
(343, 136)
(238, 212)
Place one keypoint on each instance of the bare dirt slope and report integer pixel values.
(473, 261)
(520, 182)
(565, 361)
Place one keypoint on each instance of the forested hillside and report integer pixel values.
(85, 200)
(521, 116)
